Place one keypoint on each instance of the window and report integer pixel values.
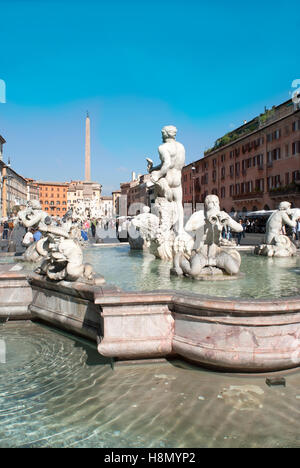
(277, 181)
(231, 190)
(276, 134)
(296, 175)
(259, 185)
(276, 154)
(223, 191)
(296, 147)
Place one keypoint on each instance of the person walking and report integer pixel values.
(5, 230)
(93, 227)
(240, 234)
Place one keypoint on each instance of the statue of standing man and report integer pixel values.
(167, 175)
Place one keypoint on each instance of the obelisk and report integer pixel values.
(87, 150)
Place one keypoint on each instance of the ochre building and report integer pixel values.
(53, 197)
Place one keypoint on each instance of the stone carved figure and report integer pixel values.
(207, 257)
(159, 228)
(59, 252)
(63, 258)
(167, 175)
(278, 244)
(143, 230)
(34, 217)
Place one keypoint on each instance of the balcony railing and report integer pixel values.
(248, 195)
(290, 189)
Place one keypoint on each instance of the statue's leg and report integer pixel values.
(74, 271)
(165, 189)
(228, 262)
(177, 264)
(198, 262)
(270, 237)
(177, 194)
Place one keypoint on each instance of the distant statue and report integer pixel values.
(208, 257)
(277, 243)
(167, 175)
(145, 226)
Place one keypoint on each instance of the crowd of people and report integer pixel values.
(120, 225)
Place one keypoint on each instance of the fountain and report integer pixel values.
(153, 304)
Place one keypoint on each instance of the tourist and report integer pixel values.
(5, 230)
(28, 238)
(93, 227)
(84, 235)
(37, 235)
(240, 234)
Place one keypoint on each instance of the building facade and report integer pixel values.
(2, 141)
(85, 194)
(13, 191)
(53, 197)
(32, 189)
(115, 202)
(252, 168)
(137, 192)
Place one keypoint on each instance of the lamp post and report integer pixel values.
(193, 187)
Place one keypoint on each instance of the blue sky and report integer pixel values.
(136, 66)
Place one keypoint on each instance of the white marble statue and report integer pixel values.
(167, 175)
(63, 258)
(143, 230)
(159, 228)
(207, 257)
(33, 217)
(277, 244)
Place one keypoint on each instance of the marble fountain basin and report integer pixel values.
(259, 332)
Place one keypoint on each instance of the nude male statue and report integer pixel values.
(167, 175)
(277, 220)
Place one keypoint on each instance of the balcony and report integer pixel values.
(248, 196)
(291, 189)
